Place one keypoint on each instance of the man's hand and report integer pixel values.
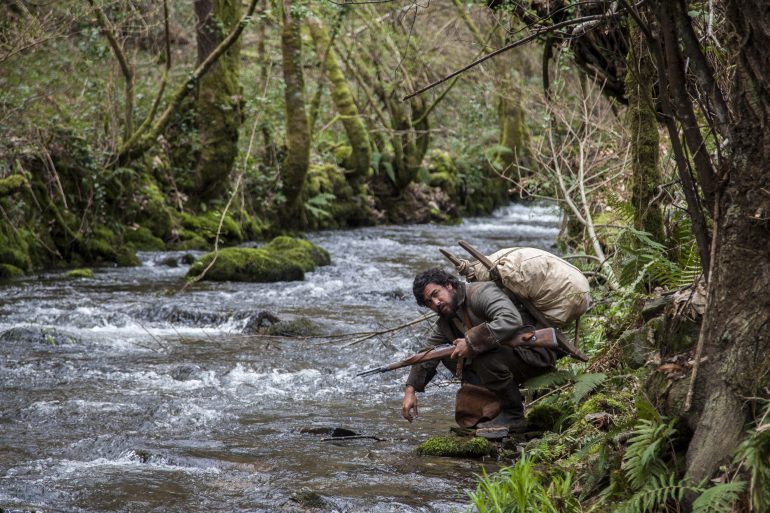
(409, 404)
(462, 350)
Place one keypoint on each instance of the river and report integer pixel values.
(121, 393)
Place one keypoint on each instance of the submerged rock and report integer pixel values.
(455, 446)
(37, 335)
(308, 498)
(80, 273)
(283, 259)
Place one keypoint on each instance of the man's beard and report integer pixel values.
(453, 308)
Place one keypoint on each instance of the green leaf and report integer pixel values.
(719, 498)
(587, 383)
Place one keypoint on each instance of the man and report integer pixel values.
(476, 318)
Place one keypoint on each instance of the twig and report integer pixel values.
(353, 437)
(391, 330)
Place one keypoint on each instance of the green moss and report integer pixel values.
(105, 246)
(142, 239)
(10, 271)
(152, 212)
(544, 417)
(247, 264)
(12, 185)
(206, 226)
(303, 252)
(80, 273)
(343, 156)
(455, 447)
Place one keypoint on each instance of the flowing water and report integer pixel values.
(119, 395)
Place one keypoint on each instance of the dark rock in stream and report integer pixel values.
(334, 432)
(37, 335)
(308, 498)
(185, 372)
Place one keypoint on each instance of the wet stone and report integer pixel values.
(308, 498)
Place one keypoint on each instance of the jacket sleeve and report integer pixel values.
(420, 374)
(490, 303)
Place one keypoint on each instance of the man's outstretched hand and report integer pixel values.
(409, 404)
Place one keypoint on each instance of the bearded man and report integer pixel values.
(476, 318)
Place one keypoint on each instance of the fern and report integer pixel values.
(658, 490)
(643, 457)
(754, 453)
(549, 380)
(587, 383)
(719, 498)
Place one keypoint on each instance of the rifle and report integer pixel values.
(527, 337)
(563, 343)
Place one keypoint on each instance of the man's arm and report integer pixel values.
(502, 318)
(420, 375)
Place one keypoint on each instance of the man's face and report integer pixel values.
(440, 299)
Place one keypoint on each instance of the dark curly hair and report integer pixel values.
(434, 275)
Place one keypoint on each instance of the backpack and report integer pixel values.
(558, 289)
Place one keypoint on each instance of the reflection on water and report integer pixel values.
(118, 396)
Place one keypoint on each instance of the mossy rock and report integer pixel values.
(142, 239)
(305, 253)
(455, 447)
(10, 271)
(105, 246)
(247, 264)
(189, 239)
(152, 212)
(296, 328)
(336, 203)
(206, 226)
(80, 273)
(544, 417)
(308, 498)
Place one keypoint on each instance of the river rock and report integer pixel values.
(455, 447)
(283, 259)
(37, 335)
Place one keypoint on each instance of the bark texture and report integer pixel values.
(218, 101)
(737, 324)
(297, 161)
(645, 140)
(355, 129)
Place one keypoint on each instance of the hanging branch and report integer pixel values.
(536, 34)
(125, 67)
(142, 140)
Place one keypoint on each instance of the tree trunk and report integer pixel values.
(737, 319)
(355, 129)
(297, 161)
(218, 101)
(645, 139)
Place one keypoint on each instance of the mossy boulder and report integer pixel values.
(332, 202)
(455, 447)
(305, 253)
(105, 246)
(283, 259)
(152, 212)
(246, 264)
(545, 416)
(301, 327)
(10, 271)
(202, 229)
(142, 239)
(80, 273)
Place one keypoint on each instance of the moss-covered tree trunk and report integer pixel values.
(645, 140)
(297, 161)
(218, 100)
(358, 136)
(514, 133)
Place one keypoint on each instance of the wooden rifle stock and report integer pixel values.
(545, 337)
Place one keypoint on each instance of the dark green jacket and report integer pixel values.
(494, 318)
